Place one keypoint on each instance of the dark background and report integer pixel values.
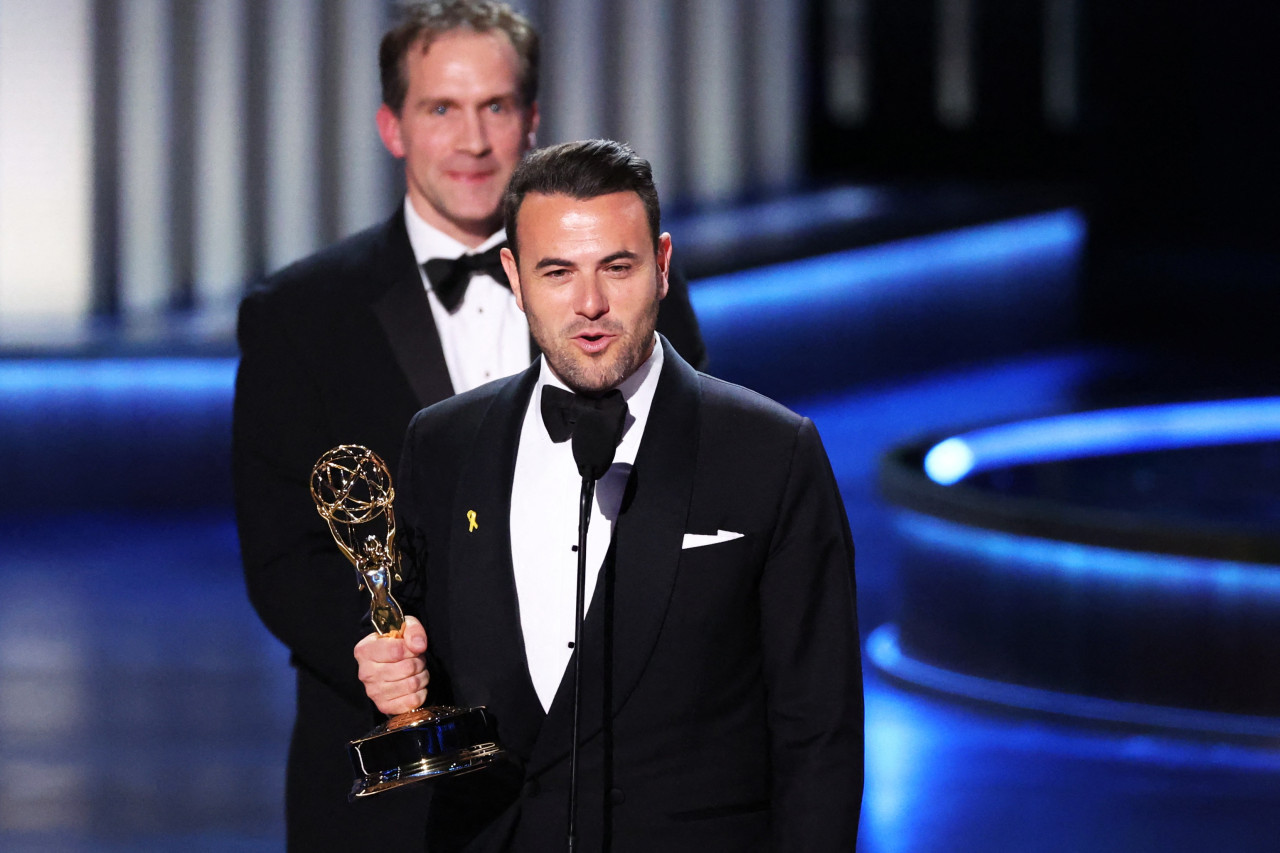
(1173, 150)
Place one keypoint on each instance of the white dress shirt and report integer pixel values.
(487, 337)
(545, 494)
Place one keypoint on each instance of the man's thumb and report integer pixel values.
(415, 636)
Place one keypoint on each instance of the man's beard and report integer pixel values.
(587, 374)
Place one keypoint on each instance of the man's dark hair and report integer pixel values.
(581, 170)
(420, 24)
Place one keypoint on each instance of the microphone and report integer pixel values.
(595, 439)
(596, 434)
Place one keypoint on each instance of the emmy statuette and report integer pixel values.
(353, 494)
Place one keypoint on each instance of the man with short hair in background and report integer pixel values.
(343, 347)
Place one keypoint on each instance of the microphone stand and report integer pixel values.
(584, 519)
(595, 439)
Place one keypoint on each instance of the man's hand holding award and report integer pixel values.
(353, 494)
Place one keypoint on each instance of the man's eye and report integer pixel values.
(439, 110)
(496, 107)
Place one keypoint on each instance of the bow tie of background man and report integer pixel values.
(449, 278)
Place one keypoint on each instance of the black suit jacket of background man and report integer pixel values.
(339, 348)
(722, 684)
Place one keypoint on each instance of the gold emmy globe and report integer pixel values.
(352, 490)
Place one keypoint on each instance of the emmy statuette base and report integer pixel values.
(429, 743)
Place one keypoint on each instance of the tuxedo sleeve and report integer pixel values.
(302, 587)
(420, 488)
(812, 663)
(412, 537)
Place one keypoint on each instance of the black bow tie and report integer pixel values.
(561, 411)
(449, 279)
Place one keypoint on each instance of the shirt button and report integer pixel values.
(530, 789)
(617, 797)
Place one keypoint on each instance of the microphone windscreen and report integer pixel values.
(595, 438)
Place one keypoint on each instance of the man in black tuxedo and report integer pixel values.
(344, 346)
(721, 679)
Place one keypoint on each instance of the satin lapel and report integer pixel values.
(405, 315)
(488, 644)
(623, 623)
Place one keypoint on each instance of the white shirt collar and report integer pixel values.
(430, 242)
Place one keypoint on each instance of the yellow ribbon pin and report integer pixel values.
(471, 520)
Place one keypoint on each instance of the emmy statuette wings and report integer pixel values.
(352, 490)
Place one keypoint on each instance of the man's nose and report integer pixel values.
(475, 136)
(591, 299)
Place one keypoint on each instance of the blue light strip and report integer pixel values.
(1104, 433)
(70, 377)
(885, 652)
(1078, 563)
(777, 217)
(842, 276)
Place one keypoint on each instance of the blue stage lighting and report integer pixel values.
(1101, 433)
(846, 277)
(42, 379)
(1076, 563)
(886, 653)
(776, 218)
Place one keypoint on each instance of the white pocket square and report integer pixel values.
(697, 540)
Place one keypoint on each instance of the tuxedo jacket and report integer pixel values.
(339, 348)
(721, 691)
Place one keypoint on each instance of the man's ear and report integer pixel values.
(534, 119)
(664, 264)
(513, 275)
(389, 131)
